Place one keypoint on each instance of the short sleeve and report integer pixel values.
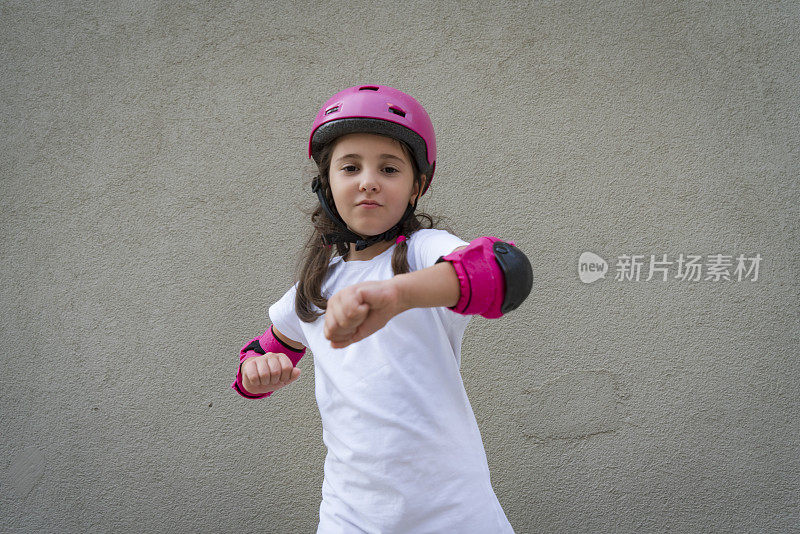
(284, 317)
(429, 244)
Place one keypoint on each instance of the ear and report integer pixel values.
(417, 189)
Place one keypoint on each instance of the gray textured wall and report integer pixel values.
(153, 176)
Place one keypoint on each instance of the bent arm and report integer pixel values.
(271, 341)
(489, 277)
(431, 287)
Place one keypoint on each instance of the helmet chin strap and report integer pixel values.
(347, 235)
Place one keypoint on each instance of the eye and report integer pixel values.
(390, 170)
(349, 168)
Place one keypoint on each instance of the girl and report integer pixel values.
(384, 317)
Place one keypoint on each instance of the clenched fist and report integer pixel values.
(360, 310)
(268, 372)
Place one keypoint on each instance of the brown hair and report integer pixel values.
(315, 257)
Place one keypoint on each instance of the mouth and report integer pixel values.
(369, 203)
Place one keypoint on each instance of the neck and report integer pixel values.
(369, 252)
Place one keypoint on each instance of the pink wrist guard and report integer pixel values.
(262, 345)
(495, 277)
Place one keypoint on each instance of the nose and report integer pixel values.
(368, 181)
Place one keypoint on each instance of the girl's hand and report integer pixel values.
(268, 372)
(360, 310)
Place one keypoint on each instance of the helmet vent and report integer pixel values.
(397, 111)
(332, 109)
(368, 88)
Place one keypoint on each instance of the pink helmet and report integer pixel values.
(377, 109)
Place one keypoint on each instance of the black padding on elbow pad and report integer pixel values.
(255, 346)
(517, 272)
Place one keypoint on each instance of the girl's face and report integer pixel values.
(375, 168)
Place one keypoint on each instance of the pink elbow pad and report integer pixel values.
(494, 275)
(262, 345)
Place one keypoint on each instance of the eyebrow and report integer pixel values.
(358, 157)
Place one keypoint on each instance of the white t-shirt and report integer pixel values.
(404, 450)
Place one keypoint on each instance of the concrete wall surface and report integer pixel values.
(153, 178)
